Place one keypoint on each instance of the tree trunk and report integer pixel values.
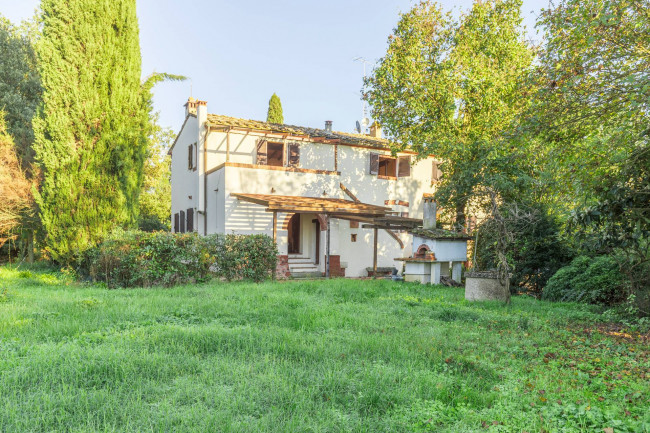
(459, 224)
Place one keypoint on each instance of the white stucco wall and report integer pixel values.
(184, 182)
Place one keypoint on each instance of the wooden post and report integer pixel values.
(275, 227)
(374, 253)
(228, 145)
(327, 248)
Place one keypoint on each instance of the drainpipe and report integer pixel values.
(205, 178)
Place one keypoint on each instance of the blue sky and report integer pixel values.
(237, 53)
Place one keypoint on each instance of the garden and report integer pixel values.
(337, 355)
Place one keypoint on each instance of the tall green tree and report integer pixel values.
(453, 89)
(274, 114)
(91, 132)
(20, 86)
(156, 197)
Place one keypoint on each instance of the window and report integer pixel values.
(353, 237)
(385, 165)
(191, 157)
(190, 220)
(275, 154)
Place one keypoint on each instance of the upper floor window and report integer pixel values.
(277, 154)
(192, 157)
(389, 166)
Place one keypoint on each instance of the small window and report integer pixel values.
(191, 157)
(275, 154)
(353, 237)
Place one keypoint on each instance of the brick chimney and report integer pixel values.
(328, 125)
(375, 130)
(192, 104)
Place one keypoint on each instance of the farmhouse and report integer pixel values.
(313, 190)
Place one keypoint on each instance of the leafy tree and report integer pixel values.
(274, 114)
(452, 89)
(155, 199)
(591, 107)
(91, 133)
(20, 87)
(15, 189)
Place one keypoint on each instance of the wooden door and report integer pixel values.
(294, 234)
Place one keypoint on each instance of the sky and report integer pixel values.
(236, 54)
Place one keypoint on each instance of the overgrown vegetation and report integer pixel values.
(140, 259)
(337, 355)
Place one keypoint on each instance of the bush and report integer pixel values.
(139, 259)
(589, 280)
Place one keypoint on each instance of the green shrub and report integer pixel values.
(589, 280)
(140, 259)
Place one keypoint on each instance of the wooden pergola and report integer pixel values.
(371, 216)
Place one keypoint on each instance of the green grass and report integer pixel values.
(307, 356)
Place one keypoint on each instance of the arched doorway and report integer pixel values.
(293, 229)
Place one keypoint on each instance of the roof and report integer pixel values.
(297, 204)
(440, 234)
(343, 137)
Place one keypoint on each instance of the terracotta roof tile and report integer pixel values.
(345, 137)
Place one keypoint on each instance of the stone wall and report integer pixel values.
(282, 268)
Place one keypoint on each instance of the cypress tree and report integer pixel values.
(91, 131)
(275, 110)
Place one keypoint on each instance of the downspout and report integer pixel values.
(205, 178)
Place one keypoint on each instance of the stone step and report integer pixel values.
(301, 261)
(305, 268)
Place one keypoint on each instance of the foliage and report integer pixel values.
(274, 114)
(16, 198)
(536, 253)
(140, 259)
(452, 89)
(247, 257)
(326, 356)
(20, 86)
(91, 133)
(591, 280)
(155, 198)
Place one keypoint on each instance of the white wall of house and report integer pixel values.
(184, 182)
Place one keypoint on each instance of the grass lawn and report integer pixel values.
(310, 356)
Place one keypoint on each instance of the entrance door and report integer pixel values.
(294, 234)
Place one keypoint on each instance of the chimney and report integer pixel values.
(328, 125)
(429, 213)
(375, 130)
(190, 106)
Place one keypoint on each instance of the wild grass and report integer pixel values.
(307, 356)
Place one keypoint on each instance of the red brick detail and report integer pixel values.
(335, 267)
(396, 203)
(282, 268)
(354, 224)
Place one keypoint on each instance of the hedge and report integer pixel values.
(141, 259)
